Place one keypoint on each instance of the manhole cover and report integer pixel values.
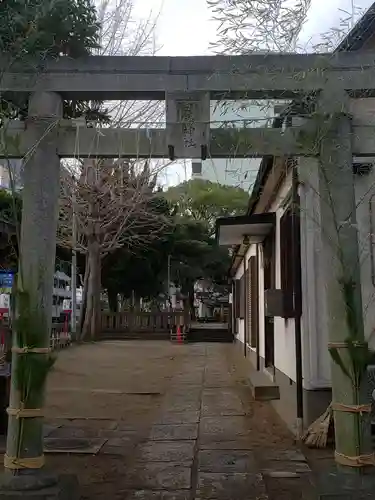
(73, 445)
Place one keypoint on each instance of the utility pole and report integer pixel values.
(74, 264)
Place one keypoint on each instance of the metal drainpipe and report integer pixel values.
(371, 240)
(258, 335)
(297, 297)
(246, 306)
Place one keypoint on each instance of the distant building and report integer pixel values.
(238, 172)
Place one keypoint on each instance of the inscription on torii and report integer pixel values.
(188, 124)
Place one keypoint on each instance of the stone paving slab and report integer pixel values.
(226, 461)
(86, 423)
(172, 417)
(73, 445)
(181, 405)
(159, 476)
(181, 452)
(239, 444)
(210, 412)
(281, 465)
(223, 403)
(122, 451)
(222, 394)
(230, 486)
(217, 384)
(229, 428)
(174, 432)
(48, 429)
(123, 430)
(158, 495)
(178, 385)
(192, 391)
(120, 441)
(289, 455)
(187, 380)
(74, 432)
(222, 410)
(229, 400)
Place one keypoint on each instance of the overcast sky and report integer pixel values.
(185, 28)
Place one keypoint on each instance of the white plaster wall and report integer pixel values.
(363, 111)
(315, 331)
(241, 330)
(365, 195)
(283, 328)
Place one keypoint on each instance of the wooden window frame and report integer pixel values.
(242, 297)
(253, 300)
(287, 266)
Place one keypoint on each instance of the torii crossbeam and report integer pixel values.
(278, 76)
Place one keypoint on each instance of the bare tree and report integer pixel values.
(122, 34)
(115, 204)
(113, 200)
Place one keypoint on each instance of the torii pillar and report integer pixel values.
(24, 452)
(342, 268)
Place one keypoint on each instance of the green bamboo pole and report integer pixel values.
(35, 283)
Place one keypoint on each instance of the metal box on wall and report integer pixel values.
(274, 303)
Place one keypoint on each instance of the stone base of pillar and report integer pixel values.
(334, 485)
(39, 487)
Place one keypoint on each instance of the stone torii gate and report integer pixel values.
(187, 84)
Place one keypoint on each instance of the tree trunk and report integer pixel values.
(86, 328)
(191, 302)
(91, 325)
(84, 298)
(112, 300)
(96, 314)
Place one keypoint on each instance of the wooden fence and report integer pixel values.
(143, 322)
(59, 338)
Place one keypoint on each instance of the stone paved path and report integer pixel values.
(167, 422)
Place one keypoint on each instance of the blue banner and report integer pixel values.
(6, 279)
